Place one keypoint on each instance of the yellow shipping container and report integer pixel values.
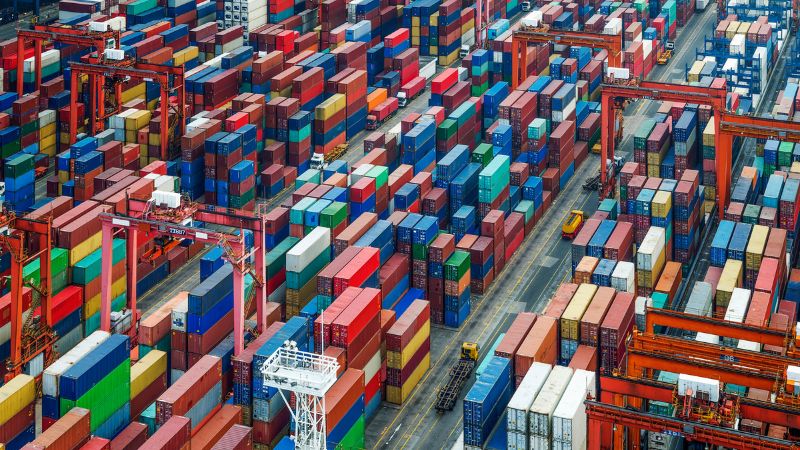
(733, 27)
(147, 370)
(134, 92)
(329, 107)
(434, 19)
(47, 130)
(396, 360)
(16, 395)
(415, 22)
(653, 159)
(645, 278)
(119, 286)
(154, 139)
(375, 98)
(433, 50)
(653, 170)
(415, 41)
(755, 247)
(398, 395)
(730, 279)
(187, 54)
(446, 60)
(708, 133)
(91, 306)
(743, 28)
(694, 71)
(468, 26)
(137, 120)
(47, 145)
(795, 167)
(83, 249)
(63, 176)
(571, 319)
(662, 204)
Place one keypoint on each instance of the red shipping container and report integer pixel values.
(332, 312)
(174, 434)
(560, 300)
(516, 333)
(539, 345)
(238, 437)
(363, 310)
(343, 395)
(66, 434)
(130, 438)
(362, 189)
(189, 389)
(585, 358)
(614, 330)
(593, 317)
(216, 427)
(444, 81)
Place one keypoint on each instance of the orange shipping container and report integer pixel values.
(540, 345)
(515, 335)
(66, 434)
(670, 280)
(216, 427)
(584, 270)
(593, 317)
(375, 98)
(585, 358)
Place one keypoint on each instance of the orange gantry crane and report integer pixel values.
(727, 125)
(169, 78)
(65, 34)
(544, 35)
(29, 338)
(144, 218)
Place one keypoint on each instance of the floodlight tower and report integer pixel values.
(308, 376)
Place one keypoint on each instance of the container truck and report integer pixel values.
(410, 91)
(447, 395)
(381, 113)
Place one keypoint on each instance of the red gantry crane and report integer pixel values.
(169, 78)
(65, 34)
(146, 218)
(544, 35)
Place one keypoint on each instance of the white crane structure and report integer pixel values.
(308, 376)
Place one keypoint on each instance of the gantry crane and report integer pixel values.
(110, 75)
(82, 37)
(726, 125)
(174, 222)
(612, 43)
(29, 338)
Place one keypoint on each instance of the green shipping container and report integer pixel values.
(140, 6)
(640, 137)
(785, 150)
(419, 252)
(333, 215)
(381, 175)
(751, 213)
(18, 165)
(106, 397)
(354, 438)
(309, 176)
(239, 201)
(609, 205)
(526, 208)
(296, 280)
(537, 128)
(457, 265)
(299, 135)
(483, 154)
(92, 324)
(276, 258)
(447, 129)
(9, 149)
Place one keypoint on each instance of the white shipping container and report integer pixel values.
(793, 373)
(179, 316)
(427, 69)
(47, 117)
(737, 45)
(651, 249)
(49, 57)
(732, 65)
(640, 309)
(647, 46)
(749, 345)
(707, 338)
(468, 38)
(542, 409)
(700, 301)
(737, 307)
(533, 19)
(517, 441)
(613, 26)
(168, 199)
(698, 384)
(165, 183)
(5, 330)
(624, 277)
(618, 73)
(360, 172)
(311, 246)
(54, 371)
(522, 400)
(69, 340)
(372, 367)
(569, 418)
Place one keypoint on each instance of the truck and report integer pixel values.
(447, 395)
(319, 161)
(665, 55)
(573, 224)
(465, 49)
(381, 113)
(410, 91)
(526, 6)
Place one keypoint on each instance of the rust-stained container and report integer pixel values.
(614, 330)
(189, 389)
(157, 325)
(594, 315)
(215, 428)
(68, 433)
(585, 358)
(354, 231)
(515, 335)
(131, 437)
(238, 437)
(558, 304)
(407, 325)
(585, 269)
(174, 434)
(342, 395)
(540, 345)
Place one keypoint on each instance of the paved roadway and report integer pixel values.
(542, 263)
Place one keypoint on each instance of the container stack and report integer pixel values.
(195, 395)
(408, 351)
(148, 380)
(650, 260)
(570, 325)
(493, 186)
(521, 402)
(457, 288)
(487, 400)
(94, 383)
(687, 216)
(562, 142)
(209, 317)
(345, 410)
(303, 262)
(86, 274)
(441, 250)
(17, 419)
(684, 134)
(71, 431)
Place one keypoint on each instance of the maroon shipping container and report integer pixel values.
(619, 245)
(238, 437)
(593, 317)
(97, 443)
(148, 395)
(174, 434)
(204, 343)
(614, 330)
(130, 438)
(53, 209)
(216, 427)
(515, 335)
(442, 247)
(68, 433)
(354, 231)
(22, 420)
(481, 250)
(325, 277)
(189, 389)
(407, 325)
(492, 224)
(332, 313)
